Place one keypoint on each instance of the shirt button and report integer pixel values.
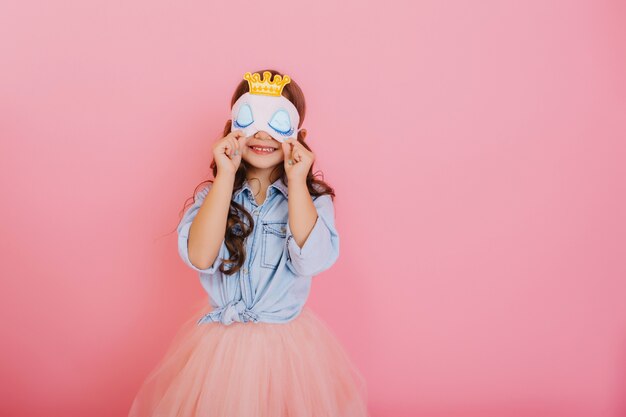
(255, 212)
(245, 270)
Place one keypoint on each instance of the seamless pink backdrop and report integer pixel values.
(476, 148)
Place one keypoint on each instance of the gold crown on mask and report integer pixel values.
(265, 86)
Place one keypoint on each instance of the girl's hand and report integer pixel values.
(298, 159)
(227, 152)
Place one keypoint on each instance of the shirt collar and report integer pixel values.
(278, 184)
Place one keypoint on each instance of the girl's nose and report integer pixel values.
(262, 135)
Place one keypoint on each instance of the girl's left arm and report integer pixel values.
(312, 239)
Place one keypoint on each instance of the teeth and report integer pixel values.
(262, 149)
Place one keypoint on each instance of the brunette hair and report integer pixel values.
(236, 230)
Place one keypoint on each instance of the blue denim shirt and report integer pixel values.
(275, 278)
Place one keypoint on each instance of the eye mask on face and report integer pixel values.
(265, 108)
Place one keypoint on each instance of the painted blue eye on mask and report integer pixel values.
(281, 122)
(244, 117)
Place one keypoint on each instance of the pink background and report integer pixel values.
(477, 150)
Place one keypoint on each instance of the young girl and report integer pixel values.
(256, 235)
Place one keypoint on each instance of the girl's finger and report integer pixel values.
(292, 148)
(237, 133)
(297, 146)
(287, 151)
(227, 149)
(236, 147)
(242, 143)
(232, 146)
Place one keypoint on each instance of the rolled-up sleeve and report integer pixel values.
(183, 235)
(321, 248)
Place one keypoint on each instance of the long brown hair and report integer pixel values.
(236, 230)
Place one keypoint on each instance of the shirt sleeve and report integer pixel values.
(321, 248)
(183, 235)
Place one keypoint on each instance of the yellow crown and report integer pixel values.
(265, 86)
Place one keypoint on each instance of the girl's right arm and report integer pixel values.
(208, 228)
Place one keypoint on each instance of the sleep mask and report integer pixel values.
(265, 108)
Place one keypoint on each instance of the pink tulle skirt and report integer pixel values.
(293, 369)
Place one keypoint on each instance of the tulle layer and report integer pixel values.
(293, 369)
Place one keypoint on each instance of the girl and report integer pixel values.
(256, 235)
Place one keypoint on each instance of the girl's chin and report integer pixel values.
(260, 157)
(260, 161)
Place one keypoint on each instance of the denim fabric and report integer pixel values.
(274, 281)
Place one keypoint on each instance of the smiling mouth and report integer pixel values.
(263, 150)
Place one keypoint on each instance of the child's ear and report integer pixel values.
(304, 132)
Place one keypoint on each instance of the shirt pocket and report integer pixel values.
(273, 243)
